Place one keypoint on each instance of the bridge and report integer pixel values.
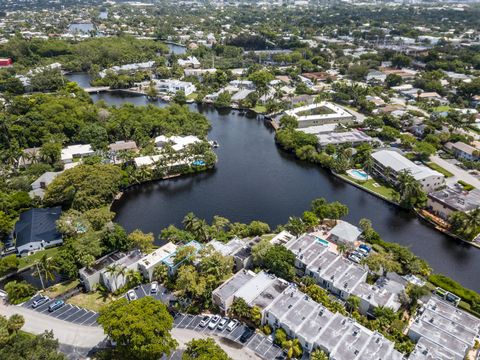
(97, 89)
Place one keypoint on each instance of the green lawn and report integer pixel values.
(382, 190)
(441, 108)
(92, 301)
(260, 109)
(59, 289)
(31, 259)
(440, 169)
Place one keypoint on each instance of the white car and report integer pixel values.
(132, 295)
(205, 321)
(214, 322)
(154, 287)
(232, 325)
(223, 323)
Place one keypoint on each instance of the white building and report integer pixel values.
(388, 164)
(320, 114)
(147, 264)
(74, 151)
(189, 62)
(172, 86)
(178, 142)
(128, 68)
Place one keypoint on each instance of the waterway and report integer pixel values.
(254, 179)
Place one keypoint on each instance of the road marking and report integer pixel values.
(65, 308)
(91, 316)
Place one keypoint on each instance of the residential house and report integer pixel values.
(36, 229)
(117, 279)
(90, 275)
(464, 151)
(445, 202)
(172, 86)
(345, 233)
(320, 114)
(189, 62)
(75, 151)
(40, 185)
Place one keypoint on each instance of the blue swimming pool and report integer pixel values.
(198, 163)
(322, 241)
(361, 174)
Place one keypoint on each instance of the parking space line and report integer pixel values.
(75, 313)
(91, 316)
(250, 340)
(61, 311)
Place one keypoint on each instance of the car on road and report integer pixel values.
(247, 334)
(57, 304)
(132, 295)
(40, 301)
(214, 322)
(232, 325)
(223, 323)
(205, 321)
(154, 287)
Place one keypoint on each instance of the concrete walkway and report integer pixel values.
(458, 173)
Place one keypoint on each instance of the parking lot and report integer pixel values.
(162, 294)
(262, 345)
(67, 312)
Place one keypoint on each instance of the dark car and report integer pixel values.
(247, 334)
(57, 304)
(39, 301)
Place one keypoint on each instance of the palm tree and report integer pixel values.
(160, 273)
(189, 222)
(293, 347)
(411, 192)
(112, 270)
(472, 223)
(318, 355)
(133, 277)
(46, 269)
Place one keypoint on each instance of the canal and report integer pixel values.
(256, 180)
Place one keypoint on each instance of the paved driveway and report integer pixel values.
(260, 344)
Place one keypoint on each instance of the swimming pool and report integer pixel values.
(358, 174)
(198, 163)
(322, 241)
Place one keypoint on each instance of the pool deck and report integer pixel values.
(322, 234)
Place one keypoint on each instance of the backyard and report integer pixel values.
(374, 186)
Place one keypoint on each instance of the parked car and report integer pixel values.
(362, 251)
(358, 254)
(57, 304)
(40, 301)
(365, 247)
(154, 287)
(132, 295)
(205, 321)
(214, 322)
(354, 259)
(247, 334)
(232, 325)
(223, 323)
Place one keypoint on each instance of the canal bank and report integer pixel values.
(254, 180)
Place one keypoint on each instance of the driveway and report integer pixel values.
(458, 173)
(76, 340)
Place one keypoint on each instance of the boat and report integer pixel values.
(214, 143)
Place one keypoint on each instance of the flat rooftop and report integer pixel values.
(428, 350)
(457, 199)
(266, 297)
(254, 287)
(231, 286)
(158, 255)
(102, 263)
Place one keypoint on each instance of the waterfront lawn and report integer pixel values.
(386, 192)
(60, 289)
(260, 109)
(31, 259)
(92, 301)
(440, 169)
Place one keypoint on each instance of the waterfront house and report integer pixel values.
(388, 164)
(445, 202)
(147, 264)
(351, 138)
(172, 86)
(36, 230)
(320, 114)
(178, 142)
(345, 233)
(189, 62)
(173, 264)
(282, 305)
